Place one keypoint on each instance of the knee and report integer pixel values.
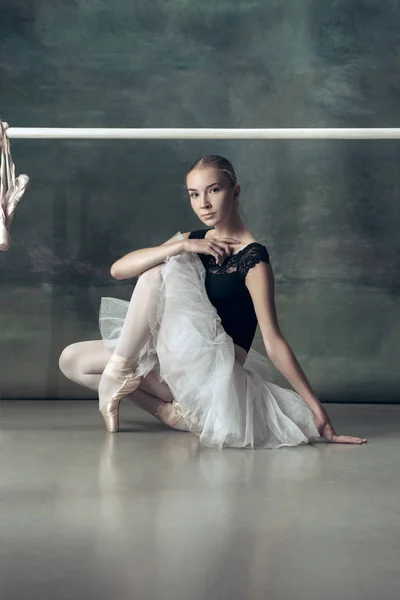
(68, 360)
(152, 275)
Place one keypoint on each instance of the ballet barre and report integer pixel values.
(99, 133)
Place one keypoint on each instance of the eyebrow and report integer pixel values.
(208, 186)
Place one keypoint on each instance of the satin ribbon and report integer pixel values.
(11, 189)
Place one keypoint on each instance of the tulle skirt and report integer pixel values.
(225, 396)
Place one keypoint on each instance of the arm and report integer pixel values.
(260, 283)
(138, 261)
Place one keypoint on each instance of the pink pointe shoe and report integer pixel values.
(171, 414)
(11, 189)
(118, 370)
(8, 209)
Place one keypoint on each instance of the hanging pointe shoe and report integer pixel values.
(8, 209)
(11, 189)
(4, 234)
(13, 196)
(118, 370)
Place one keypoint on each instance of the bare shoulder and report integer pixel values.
(173, 239)
(249, 238)
(246, 240)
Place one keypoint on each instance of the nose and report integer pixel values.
(205, 202)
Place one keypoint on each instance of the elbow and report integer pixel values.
(120, 273)
(116, 272)
(273, 345)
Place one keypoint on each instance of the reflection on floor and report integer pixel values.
(148, 514)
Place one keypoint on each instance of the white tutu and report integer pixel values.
(225, 401)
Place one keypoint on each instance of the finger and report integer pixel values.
(217, 246)
(218, 254)
(226, 248)
(229, 240)
(220, 250)
(222, 244)
(348, 439)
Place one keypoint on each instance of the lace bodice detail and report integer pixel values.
(229, 293)
(240, 262)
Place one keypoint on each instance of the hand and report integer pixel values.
(325, 430)
(220, 248)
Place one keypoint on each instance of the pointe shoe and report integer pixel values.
(8, 209)
(129, 384)
(170, 413)
(4, 234)
(13, 196)
(11, 189)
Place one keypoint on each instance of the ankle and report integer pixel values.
(118, 367)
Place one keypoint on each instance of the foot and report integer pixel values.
(118, 380)
(170, 414)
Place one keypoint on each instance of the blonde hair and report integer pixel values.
(221, 164)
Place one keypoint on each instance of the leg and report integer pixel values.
(84, 363)
(119, 377)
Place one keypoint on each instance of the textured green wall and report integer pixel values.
(328, 211)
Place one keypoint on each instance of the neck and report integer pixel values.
(232, 226)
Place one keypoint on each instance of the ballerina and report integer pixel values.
(181, 348)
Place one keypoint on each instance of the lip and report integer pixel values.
(207, 215)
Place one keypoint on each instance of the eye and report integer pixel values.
(194, 195)
(215, 189)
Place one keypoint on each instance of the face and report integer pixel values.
(210, 192)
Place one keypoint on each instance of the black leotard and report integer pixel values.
(227, 290)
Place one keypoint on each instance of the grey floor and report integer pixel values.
(148, 514)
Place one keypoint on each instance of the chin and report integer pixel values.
(211, 221)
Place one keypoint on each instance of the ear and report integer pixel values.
(236, 191)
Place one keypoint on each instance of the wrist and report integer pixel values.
(175, 248)
(321, 414)
(314, 403)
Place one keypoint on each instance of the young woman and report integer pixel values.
(181, 348)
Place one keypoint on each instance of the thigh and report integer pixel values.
(92, 356)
